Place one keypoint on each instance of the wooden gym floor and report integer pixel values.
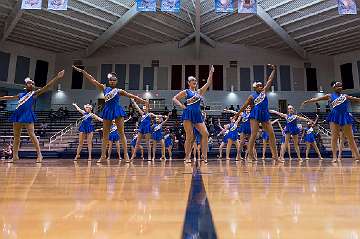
(60, 199)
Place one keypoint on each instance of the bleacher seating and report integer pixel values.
(68, 142)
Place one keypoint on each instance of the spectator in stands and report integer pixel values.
(166, 110)
(231, 107)
(174, 112)
(317, 107)
(42, 130)
(237, 107)
(6, 153)
(52, 115)
(66, 113)
(327, 108)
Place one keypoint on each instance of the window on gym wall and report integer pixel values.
(347, 76)
(311, 79)
(190, 70)
(259, 75)
(203, 74)
(218, 78)
(41, 72)
(77, 79)
(176, 77)
(120, 70)
(285, 81)
(105, 70)
(245, 79)
(4, 65)
(22, 69)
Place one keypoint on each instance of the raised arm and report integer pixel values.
(90, 78)
(353, 99)
(277, 113)
(97, 117)
(270, 79)
(274, 121)
(219, 124)
(127, 119)
(208, 82)
(304, 119)
(50, 83)
(313, 100)
(137, 107)
(9, 97)
(134, 97)
(166, 120)
(230, 111)
(281, 128)
(247, 102)
(78, 108)
(176, 99)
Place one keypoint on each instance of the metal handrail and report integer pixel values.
(321, 129)
(62, 132)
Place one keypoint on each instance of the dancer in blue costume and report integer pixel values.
(169, 142)
(197, 144)
(24, 116)
(339, 117)
(158, 136)
(265, 138)
(133, 144)
(86, 129)
(260, 114)
(282, 140)
(244, 130)
(223, 132)
(144, 128)
(232, 137)
(292, 129)
(112, 109)
(342, 136)
(192, 113)
(310, 139)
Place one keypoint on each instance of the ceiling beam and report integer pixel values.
(326, 28)
(240, 19)
(297, 9)
(208, 40)
(310, 15)
(111, 31)
(186, 40)
(11, 21)
(315, 45)
(249, 36)
(280, 31)
(238, 31)
(313, 24)
(197, 28)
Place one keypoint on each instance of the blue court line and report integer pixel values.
(198, 218)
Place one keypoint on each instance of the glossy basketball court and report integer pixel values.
(60, 199)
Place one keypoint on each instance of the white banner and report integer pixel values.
(31, 4)
(347, 7)
(57, 5)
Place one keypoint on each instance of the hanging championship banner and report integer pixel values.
(31, 4)
(57, 4)
(224, 6)
(347, 7)
(247, 6)
(170, 5)
(146, 5)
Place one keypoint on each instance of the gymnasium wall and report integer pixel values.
(249, 61)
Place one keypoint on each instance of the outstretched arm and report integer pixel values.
(50, 83)
(137, 107)
(134, 97)
(277, 113)
(270, 79)
(90, 78)
(353, 99)
(274, 121)
(230, 111)
(178, 97)
(304, 119)
(316, 119)
(9, 97)
(208, 82)
(281, 128)
(127, 119)
(247, 102)
(313, 100)
(78, 108)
